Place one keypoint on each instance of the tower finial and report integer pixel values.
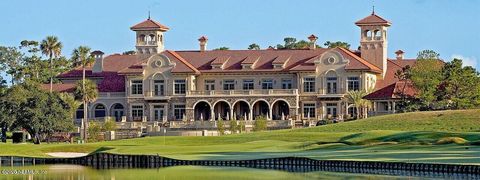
(148, 14)
(373, 7)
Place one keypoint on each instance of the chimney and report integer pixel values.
(399, 54)
(203, 43)
(98, 65)
(313, 41)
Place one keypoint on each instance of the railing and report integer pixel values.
(338, 91)
(111, 94)
(143, 43)
(152, 95)
(244, 92)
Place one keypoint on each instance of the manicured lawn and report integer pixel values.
(409, 137)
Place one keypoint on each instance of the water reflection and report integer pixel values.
(210, 172)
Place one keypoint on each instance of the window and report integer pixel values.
(179, 111)
(158, 112)
(309, 84)
(309, 110)
(331, 85)
(228, 84)
(159, 88)
(179, 86)
(286, 84)
(209, 85)
(137, 112)
(331, 109)
(248, 84)
(353, 83)
(137, 87)
(267, 84)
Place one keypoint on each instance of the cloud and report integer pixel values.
(467, 61)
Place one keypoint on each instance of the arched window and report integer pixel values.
(100, 110)
(367, 34)
(152, 39)
(141, 38)
(377, 34)
(332, 82)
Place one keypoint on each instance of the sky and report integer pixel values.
(451, 28)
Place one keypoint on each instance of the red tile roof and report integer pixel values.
(149, 24)
(251, 60)
(112, 81)
(389, 86)
(394, 91)
(117, 66)
(373, 19)
(281, 59)
(68, 87)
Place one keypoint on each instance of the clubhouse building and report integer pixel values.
(160, 85)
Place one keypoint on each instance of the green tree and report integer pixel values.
(5, 119)
(11, 62)
(220, 126)
(337, 44)
(40, 113)
(131, 52)
(361, 105)
(460, 87)
(253, 47)
(222, 48)
(404, 75)
(109, 125)
(94, 130)
(242, 125)
(71, 102)
(260, 124)
(84, 58)
(426, 77)
(233, 126)
(51, 47)
(86, 91)
(289, 43)
(292, 43)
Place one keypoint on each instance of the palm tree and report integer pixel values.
(51, 47)
(83, 56)
(356, 97)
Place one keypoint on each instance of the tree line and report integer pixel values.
(292, 43)
(24, 105)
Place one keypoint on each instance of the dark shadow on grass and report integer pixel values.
(420, 137)
(101, 149)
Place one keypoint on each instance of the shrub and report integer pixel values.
(450, 140)
(233, 126)
(94, 130)
(260, 123)
(109, 125)
(242, 127)
(220, 126)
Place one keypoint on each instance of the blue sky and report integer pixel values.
(451, 28)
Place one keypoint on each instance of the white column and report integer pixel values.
(212, 115)
(393, 106)
(270, 113)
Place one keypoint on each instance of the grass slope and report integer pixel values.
(400, 137)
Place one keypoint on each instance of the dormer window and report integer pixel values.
(280, 62)
(250, 62)
(219, 62)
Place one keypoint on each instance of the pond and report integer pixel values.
(189, 172)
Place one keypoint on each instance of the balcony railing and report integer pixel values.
(155, 95)
(324, 92)
(111, 94)
(243, 92)
(144, 43)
